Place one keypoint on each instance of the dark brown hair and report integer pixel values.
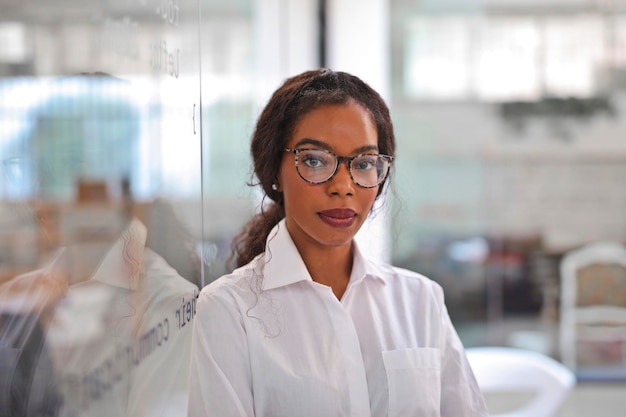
(296, 97)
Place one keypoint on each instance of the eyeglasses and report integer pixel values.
(316, 166)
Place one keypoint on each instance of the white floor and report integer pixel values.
(596, 400)
(585, 400)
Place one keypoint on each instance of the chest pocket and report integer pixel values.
(414, 381)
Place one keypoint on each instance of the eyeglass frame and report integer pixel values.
(340, 160)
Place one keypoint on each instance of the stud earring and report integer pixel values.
(275, 187)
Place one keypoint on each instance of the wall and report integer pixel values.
(463, 170)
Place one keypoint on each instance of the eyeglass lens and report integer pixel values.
(318, 166)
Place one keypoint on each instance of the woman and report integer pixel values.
(308, 326)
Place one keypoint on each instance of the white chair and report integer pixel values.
(593, 305)
(509, 370)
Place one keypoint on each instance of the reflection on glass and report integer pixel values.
(101, 312)
(101, 240)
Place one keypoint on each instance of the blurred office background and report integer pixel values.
(510, 118)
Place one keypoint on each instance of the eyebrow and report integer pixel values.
(324, 145)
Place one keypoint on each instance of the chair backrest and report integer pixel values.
(593, 292)
(510, 370)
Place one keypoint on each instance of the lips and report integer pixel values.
(338, 217)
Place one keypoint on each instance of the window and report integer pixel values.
(510, 57)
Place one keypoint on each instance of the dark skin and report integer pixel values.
(323, 237)
(332, 268)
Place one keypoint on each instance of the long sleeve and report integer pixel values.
(220, 375)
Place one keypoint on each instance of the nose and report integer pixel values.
(341, 183)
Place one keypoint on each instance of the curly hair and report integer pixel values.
(295, 98)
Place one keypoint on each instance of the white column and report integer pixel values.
(358, 43)
(267, 48)
(302, 35)
(286, 33)
(358, 40)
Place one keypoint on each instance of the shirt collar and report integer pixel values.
(362, 267)
(122, 264)
(284, 265)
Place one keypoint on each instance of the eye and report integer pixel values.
(313, 159)
(365, 162)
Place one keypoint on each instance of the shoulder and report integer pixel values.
(403, 282)
(238, 288)
(410, 281)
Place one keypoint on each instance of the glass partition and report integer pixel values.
(228, 113)
(123, 158)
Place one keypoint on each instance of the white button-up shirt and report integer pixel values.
(268, 341)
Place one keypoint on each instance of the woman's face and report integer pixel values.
(328, 214)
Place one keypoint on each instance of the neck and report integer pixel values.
(330, 266)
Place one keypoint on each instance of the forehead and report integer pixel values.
(342, 127)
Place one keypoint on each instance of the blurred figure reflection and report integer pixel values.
(101, 326)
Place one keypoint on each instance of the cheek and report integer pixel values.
(298, 195)
(294, 190)
(368, 199)
(369, 194)
(285, 175)
(371, 200)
